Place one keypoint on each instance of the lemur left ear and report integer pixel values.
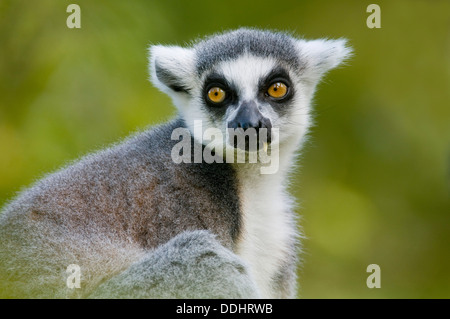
(172, 68)
(320, 56)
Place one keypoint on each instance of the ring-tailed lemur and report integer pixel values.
(140, 223)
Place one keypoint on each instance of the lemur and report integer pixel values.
(140, 224)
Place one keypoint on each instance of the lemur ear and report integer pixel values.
(172, 68)
(320, 56)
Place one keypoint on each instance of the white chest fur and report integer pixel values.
(267, 228)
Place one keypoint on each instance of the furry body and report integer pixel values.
(141, 226)
(106, 211)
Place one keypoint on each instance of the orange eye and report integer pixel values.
(277, 90)
(216, 94)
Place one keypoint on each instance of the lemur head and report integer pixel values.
(246, 79)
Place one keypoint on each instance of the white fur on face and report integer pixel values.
(246, 72)
(316, 57)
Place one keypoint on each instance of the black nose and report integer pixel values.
(248, 116)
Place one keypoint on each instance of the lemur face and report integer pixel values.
(249, 94)
(247, 81)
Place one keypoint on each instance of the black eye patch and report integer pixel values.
(278, 74)
(218, 80)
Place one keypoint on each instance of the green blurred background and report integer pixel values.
(374, 179)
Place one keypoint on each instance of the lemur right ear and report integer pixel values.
(172, 68)
(321, 55)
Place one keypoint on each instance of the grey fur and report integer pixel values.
(228, 46)
(195, 253)
(106, 211)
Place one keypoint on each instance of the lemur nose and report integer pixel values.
(249, 116)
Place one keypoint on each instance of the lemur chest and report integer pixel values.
(266, 233)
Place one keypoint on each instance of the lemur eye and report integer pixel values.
(277, 90)
(216, 94)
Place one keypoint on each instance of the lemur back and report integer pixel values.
(104, 212)
(141, 223)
